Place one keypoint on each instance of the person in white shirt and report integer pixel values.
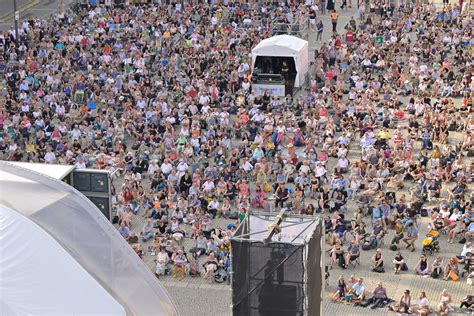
(208, 186)
(320, 170)
(247, 166)
(49, 157)
(162, 260)
(182, 167)
(80, 163)
(75, 133)
(166, 167)
(342, 165)
(465, 249)
(152, 167)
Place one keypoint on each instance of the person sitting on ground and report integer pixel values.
(457, 228)
(360, 232)
(211, 245)
(451, 270)
(358, 289)
(398, 262)
(445, 299)
(210, 267)
(468, 265)
(147, 231)
(437, 267)
(411, 236)
(138, 250)
(422, 267)
(439, 223)
(465, 249)
(337, 254)
(162, 260)
(157, 242)
(377, 234)
(281, 196)
(467, 302)
(127, 216)
(469, 230)
(380, 295)
(423, 306)
(403, 305)
(398, 233)
(353, 252)
(377, 262)
(179, 265)
(342, 289)
(124, 231)
(201, 245)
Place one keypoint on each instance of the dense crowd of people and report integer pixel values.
(164, 93)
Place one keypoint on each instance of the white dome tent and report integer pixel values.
(26, 267)
(285, 46)
(60, 255)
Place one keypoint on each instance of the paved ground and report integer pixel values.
(27, 8)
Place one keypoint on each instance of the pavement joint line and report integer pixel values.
(41, 9)
(24, 7)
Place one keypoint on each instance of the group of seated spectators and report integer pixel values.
(164, 93)
(354, 291)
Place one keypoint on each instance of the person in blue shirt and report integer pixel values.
(358, 290)
(386, 211)
(320, 28)
(426, 140)
(124, 231)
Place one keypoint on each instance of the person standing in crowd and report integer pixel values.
(334, 18)
(320, 29)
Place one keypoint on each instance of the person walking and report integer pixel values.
(344, 4)
(322, 5)
(320, 28)
(334, 18)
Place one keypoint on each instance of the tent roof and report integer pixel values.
(34, 285)
(52, 170)
(280, 45)
(86, 235)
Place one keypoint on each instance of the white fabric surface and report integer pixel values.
(89, 238)
(38, 277)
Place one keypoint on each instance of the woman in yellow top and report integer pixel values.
(435, 157)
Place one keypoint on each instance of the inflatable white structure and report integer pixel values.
(60, 256)
(285, 46)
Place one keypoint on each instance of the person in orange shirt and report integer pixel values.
(334, 18)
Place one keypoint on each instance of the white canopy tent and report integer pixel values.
(74, 248)
(285, 46)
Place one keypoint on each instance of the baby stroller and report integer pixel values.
(431, 242)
